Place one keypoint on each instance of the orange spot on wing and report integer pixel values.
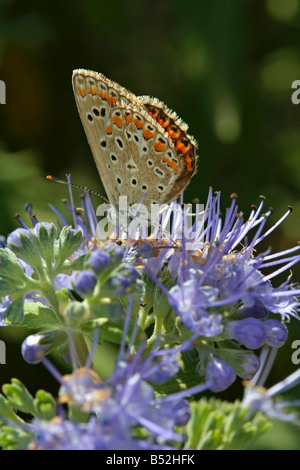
(181, 147)
(103, 95)
(148, 134)
(176, 171)
(139, 124)
(112, 100)
(189, 161)
(153, 114)
(127, 119)
(109, 130)
(164, 122)
(81, 91)
(117, 121)
(92, 90)
(159, 147)
(173, 134)
(170, 163)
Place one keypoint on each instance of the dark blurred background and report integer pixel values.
(225, 67)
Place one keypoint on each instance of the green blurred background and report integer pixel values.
(226, 67)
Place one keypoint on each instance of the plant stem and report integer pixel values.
(81, 349)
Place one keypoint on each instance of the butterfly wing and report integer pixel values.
(133, 152)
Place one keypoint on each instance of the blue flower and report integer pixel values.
(99, 261)
(192, 305)
(219, 375)
(32, 349)
(117, 405)
(250, 332)
(276, 333)
(85, 282)
(220, 289)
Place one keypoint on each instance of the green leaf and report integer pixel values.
(14, 438)
(77, 414)
(10, 265)
(219, 425)
(45, 242)
(28, 250)
(12, 287)
(18, 396)
(15, 311)
(77, 265)
(7, 412)
(44, 405)
(108, 330)
(69, 241)
(37, 315)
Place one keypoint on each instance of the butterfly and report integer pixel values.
(141, 148)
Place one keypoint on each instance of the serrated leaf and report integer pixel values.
(45, 241)
(15, 311)
(14, 438)
(18, 396)
(220, 425)
(37, 315)
(44, 405)
(7, 412)
(10, 265)
(69, 241)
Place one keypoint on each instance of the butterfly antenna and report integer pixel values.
(91, 191)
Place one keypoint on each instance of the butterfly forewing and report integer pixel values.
(134, 153)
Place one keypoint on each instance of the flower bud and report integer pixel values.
(250, 332)
(119, 285)
(85, 283)
(219, 375)
(32, 351)
(276, 333)
(99, 261)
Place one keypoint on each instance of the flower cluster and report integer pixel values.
(218, 290)
(189, 307)
(115, 407)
